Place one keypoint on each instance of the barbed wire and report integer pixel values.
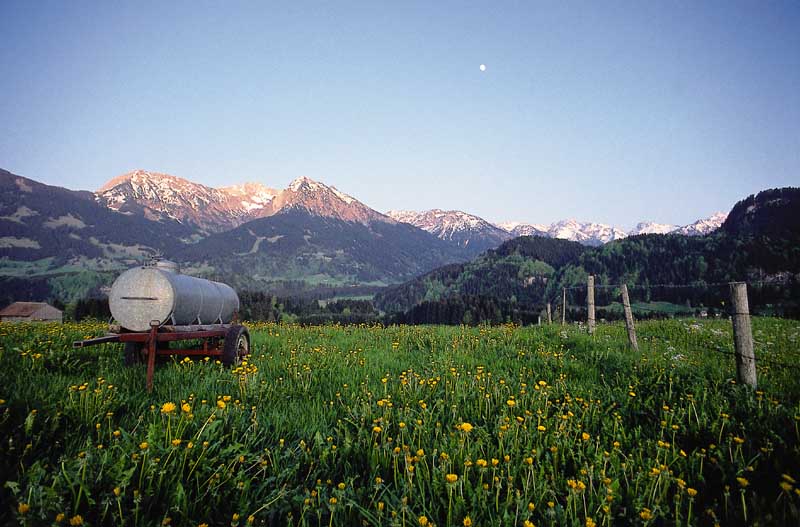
(760, 283)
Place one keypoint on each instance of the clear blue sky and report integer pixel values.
(606, 111)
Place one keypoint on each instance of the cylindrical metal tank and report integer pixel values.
(160, 293)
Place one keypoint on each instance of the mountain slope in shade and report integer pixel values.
(471, 233)
(158, 196)
(40, 221)
(298, 244)
(771, 213)
(518, 271)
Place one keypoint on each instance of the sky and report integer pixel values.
(613, 112)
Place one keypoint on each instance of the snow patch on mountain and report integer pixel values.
(587, 233)
(455, 226)
(650, 227)
(703, 226)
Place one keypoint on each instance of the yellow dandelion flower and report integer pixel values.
(646, 514)
(511, 403)
(186, 408)
(143, 445)
(585, 436)
(423, 520)
(76, 520)
(221, 404)
(691, 492)
(451, 478)
(467, 522)
(376, 429)
(742, 481)
(465, 427)
(168, 408)
(22, 508)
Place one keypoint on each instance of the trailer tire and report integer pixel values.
(133, 354)
(236, 346)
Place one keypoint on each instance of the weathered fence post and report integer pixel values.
(563, 306)
(743, 335)
(590, 302)
(540, 320)
(626, 306)
(549, 316)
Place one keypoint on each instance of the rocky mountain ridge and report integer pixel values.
(464, 230)
(159, 196)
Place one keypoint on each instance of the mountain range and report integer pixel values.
(159, 196)
(759, 242)
(74, 242)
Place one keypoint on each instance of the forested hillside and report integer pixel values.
(759, 243)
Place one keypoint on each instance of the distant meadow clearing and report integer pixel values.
(409, 426)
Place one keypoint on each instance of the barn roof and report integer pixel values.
(22, 309)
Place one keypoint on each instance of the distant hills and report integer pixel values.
(476, 234)
(758, 242)
(65, 244)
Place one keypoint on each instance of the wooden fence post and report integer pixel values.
(626, 306)
(743, 335)
(590, 302)
(564, 306)
(549, 316)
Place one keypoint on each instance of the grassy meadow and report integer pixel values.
(405, 426)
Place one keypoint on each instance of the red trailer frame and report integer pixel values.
(216, 342)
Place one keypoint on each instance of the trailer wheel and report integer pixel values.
(133, 354)
(236, 346)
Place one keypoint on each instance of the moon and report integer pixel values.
(482, 67)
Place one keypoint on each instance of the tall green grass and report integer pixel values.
(405, 426)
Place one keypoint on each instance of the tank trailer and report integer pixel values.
(155, 304)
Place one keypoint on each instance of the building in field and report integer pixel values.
(30, 312)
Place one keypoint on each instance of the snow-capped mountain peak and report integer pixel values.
(703, 226)
(323, 200)
(162, 196)
(650, 227)
(588, 233)
(455, 226)
(305, 183)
